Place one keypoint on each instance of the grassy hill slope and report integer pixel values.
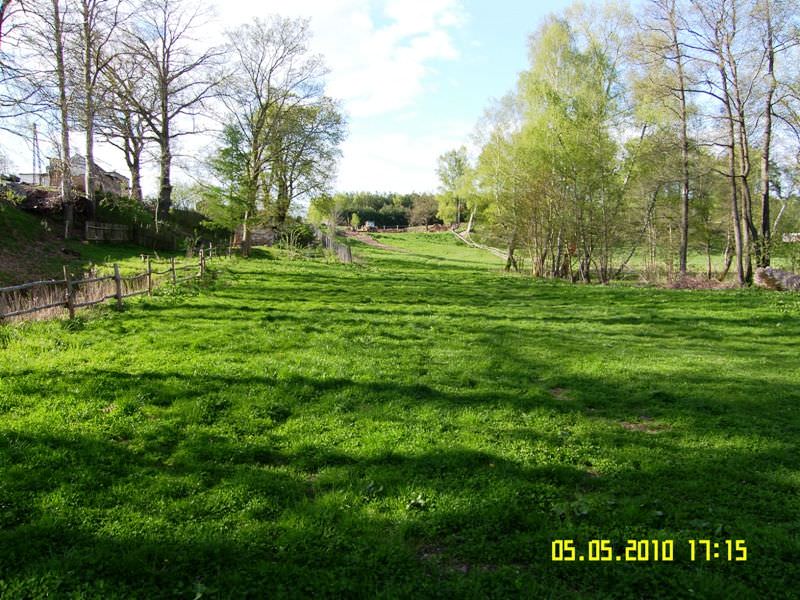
(30, 250)
(415, 425)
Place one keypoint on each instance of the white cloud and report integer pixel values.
(397, 161)
(379, 53)
(380, 56)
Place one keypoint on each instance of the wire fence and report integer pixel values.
(53, 297)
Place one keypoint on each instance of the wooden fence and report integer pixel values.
(343, 252)
(57, 295)
(95, 231)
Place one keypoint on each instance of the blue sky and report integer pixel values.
(490, 40)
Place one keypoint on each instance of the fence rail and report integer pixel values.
(70, 294)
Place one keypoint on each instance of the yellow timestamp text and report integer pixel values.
(647, 551)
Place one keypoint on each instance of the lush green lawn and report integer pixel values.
(414, 425)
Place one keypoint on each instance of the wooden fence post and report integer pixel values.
(202, 263)
(2, 303)
(70, 293)
(149, 277)
(118, 285)
(172, 268)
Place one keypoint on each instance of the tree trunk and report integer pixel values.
(735, 217)
(471, 220)
(684, 243)
(512, 247)
(750, 233)
(66, 171)
(89, 180)
(165, 164)
(136, 179)
(88, 110)
(684, 137)
(165, 187)
(766, 233)
(245, 236)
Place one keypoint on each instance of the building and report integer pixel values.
(105, 181)
(35, 178)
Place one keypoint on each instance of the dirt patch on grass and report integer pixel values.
(645, 425)
(365, 238)
(560, 393)
(700, 283)
(436, 555)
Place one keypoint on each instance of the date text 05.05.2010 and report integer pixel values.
(647, 551)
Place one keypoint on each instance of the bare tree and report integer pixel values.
(713, 37)
(161, 39)
(667, 28)
(99, 20)
(46, 34)
(121, 122)
(14, 94)
(777, 30)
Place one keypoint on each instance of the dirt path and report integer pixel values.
(370, 241)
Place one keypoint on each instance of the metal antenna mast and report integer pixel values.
(37, 157)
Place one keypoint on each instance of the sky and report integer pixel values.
(413, 77)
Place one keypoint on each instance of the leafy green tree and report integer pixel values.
(452, 169)
(424, 210)
(229, 201)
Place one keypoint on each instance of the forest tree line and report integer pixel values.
(658, 132)
(356, 209)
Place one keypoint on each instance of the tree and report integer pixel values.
(99, 19)
(452, 169)
(121, 120)
(777, 26)
(423, 210)
(664, 47)
(46, 38)
(715, 35)
(326, 209)
(268, 97)
(182, 78)
(228, 201)
(304, 153)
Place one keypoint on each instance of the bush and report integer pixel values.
(297, 235)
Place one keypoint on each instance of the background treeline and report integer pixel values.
(657, 137)
(382, 209)
(140, 76)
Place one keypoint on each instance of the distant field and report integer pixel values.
(417, 424)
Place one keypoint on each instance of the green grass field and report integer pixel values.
(414, 425)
